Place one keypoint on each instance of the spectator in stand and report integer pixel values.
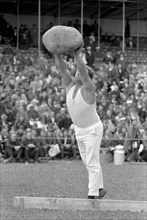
(132, 141)
(32, 113)
(31, 149)
(105, 38)
(43, 145)
(3, 139)
(108, 57)
(77, 25)
(143, 145)
(89, 56)
(144, 124)
(142, 112)
(13, 149)
(91, 42)
(21, 121)
(86, 29)
(69, 147)
(127, 30)
(20, 133)
(58, 137)
(70, 24)
(3, 122)
(34, 35)
(62, 120)
(2, 41)
(112, 74)
(94, 28)
(24, 37)
(122, 61)
(111, 137)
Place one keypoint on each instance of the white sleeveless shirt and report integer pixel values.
(82, 114)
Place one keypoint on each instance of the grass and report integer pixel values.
(69, 179)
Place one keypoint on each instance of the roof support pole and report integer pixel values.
(17, 40)
(99, 21)
(123, 28)
(138, 29)
(59, 12)
(82, 9)
(39, 25)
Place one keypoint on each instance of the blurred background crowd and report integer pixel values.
(34, 121)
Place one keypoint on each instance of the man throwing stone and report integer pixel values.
(81, 104)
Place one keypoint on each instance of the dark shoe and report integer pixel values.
(93, 197)
(102, 193)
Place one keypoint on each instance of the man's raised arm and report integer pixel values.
(86, 80)
(66, 76)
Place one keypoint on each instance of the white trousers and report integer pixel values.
(89, 141)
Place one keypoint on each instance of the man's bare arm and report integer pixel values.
(87, 82)
(66, 76)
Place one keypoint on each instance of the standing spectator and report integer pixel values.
(94, 28)
(34, 35)
(77, 25)
(127, 29)
(89, 57)
(86, 29)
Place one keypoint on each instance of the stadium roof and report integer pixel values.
(110, 9)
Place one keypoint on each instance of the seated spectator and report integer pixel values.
(13, 149)
(54, 141)
(21, 122)
(43, 144)
(62, 120)
(144, 125)
(142, 112)
(20, 133)
(31, 149)
(10, 115)
(69, 145)
(143, 148)
(132, 141)
(3, 140)
(3, 121)
(111, 137)
(108, 57)
(32, 113)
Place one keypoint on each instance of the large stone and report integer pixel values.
(62, 39)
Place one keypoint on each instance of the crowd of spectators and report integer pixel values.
(34, 121)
